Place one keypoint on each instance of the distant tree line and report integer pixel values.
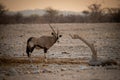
(94, 14)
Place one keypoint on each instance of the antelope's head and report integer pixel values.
(55, 34)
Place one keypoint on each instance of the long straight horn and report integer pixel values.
(52, 28)
(57, 31)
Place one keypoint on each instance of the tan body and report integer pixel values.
(44, 41)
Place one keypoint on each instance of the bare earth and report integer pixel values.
(67, 59)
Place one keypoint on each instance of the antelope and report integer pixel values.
(43, 42)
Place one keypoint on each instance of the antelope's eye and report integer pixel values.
(60, 35)
(52, 33)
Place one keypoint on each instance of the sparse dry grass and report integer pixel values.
(104, 36)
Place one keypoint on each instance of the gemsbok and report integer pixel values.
(43, 42)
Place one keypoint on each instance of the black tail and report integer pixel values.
(29, 48)
(27, 51)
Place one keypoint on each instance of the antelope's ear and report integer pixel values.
(52, 33)
(60, 35)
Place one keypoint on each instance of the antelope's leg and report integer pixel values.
(30, 54)
(44, 55)
(45, 58)
(45, 51)
(30, 59)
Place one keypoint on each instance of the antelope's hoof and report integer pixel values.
(45, 60)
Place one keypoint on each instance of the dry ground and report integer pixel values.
(105, 37)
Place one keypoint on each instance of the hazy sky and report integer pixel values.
(71, 5)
